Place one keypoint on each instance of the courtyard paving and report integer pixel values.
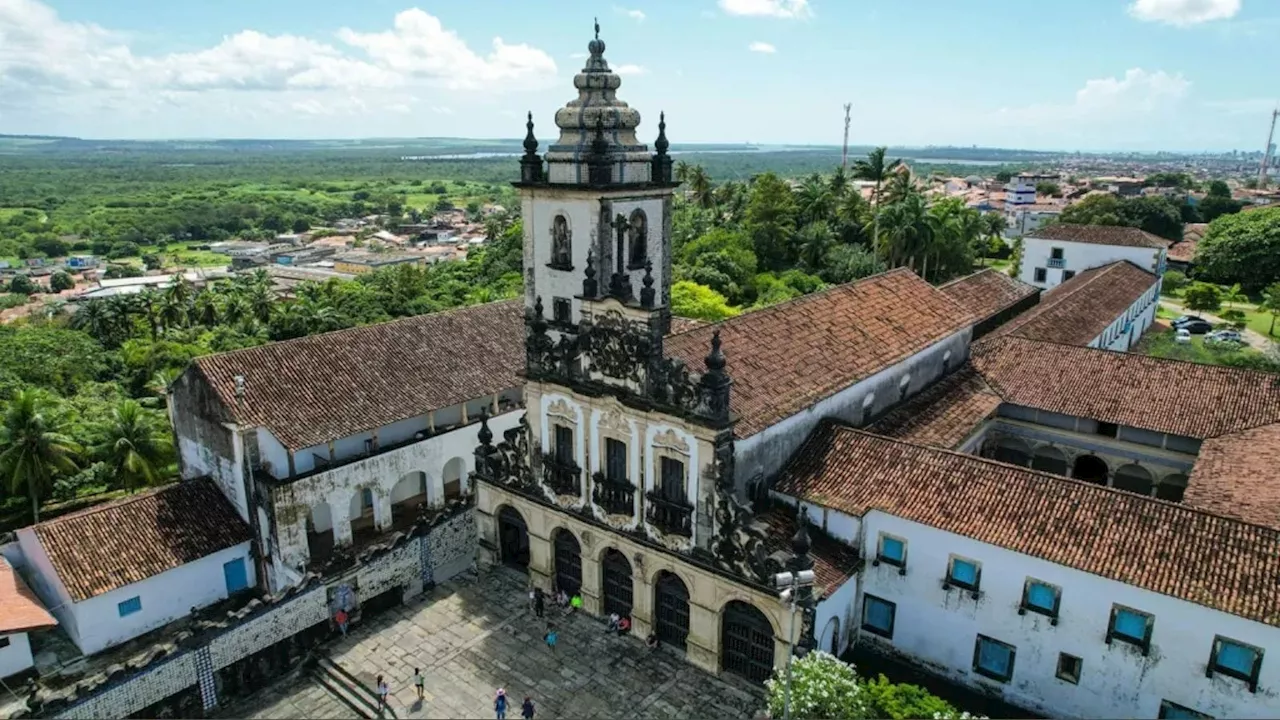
(475, 634)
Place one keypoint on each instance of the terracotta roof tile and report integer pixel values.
(1194, 231)
(1121, 235)
(833, 562)
(1181, 398)
(1184, 251)
(945, 414)
(1078, 310)
(988, 292)
(1238, 475)
(316, 389)
(20, 609)
(109, 546)
(1160, 546)
(785, 358)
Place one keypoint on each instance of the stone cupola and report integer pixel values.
(597, 130)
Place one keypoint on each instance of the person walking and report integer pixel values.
(500, 704)
(419, 682)
(576, 603)
(526, 710)
(533, 594)
(538, 602)
(551, 637)
(383, 691)
(341, 619)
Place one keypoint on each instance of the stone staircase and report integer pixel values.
(358, 697)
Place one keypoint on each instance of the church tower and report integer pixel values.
(597, 213)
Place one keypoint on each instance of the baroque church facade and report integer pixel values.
(619, 481)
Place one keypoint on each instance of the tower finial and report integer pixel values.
(597, 23)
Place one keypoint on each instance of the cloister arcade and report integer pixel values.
(1166, 483)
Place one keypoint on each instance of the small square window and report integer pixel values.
(1056, 253)
(1131, 626)
(993, 658)
(1174, 710)
(4, 642)
(1041, 274)
(892, 550)
(1068, 274)
(878, 616)
(964, 573)
(1237, 660)
(1069, 668)
(561, 312)
(1041, 597)
(130, 606)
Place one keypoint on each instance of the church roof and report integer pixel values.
(324, 387)
(20, 609)
(945, 414)
(988, 292)
(1119, 235)
(1172, 549)
(109, 546)
(785, 358)
(1080, 309)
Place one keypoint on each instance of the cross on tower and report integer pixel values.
(621, 281)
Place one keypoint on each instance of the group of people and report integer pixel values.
(500, 700)
(563, 600)
(500, 704)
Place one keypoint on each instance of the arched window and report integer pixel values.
(561, 243)
(638, 238)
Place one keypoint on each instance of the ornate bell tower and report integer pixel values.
(597, 207)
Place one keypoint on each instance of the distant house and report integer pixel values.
(1182, 254)
(81, 262)
(361, 263)
(116, 571)
(1057, 253)
(20, 613)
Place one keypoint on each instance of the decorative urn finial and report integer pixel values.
(647, 292)
(715, 359)
(661, 143)
(530, 142)
(486, 435)
(596, 46)
(590, 288)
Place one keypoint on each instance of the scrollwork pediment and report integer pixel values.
(670, 440)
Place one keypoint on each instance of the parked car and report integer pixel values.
(1223, 336)
(1184, 319)
(1181, 337)
(1196, 327)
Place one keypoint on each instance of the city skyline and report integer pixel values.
(1176, 75)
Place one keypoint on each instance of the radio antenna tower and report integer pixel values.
(1266, 151)
(844, 155)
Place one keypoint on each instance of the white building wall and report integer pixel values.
(764, 453)
(165, 598)
(39, 573)
(1138, 317)
(16, 656)
(1078, 257)
(938, 629)
(840, 606)
(272, 455)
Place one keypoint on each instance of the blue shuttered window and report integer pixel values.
(236, 575)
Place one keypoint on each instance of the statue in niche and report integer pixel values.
(561, 252)
(639, 239)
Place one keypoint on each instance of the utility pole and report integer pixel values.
(844, 155)
(1266, 151)
(791, 583)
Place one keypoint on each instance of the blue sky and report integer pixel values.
(1077, 75)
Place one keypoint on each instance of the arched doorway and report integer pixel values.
(1049, 459)
(454, 470)
(1090, 468)
(746, 642)
(1134, 479)
(1013, 451)
(513, 538)
(831, 637)
(568, 562)
(407, 496)
(1172, 487)
(320, 532)
(672, 602)
(618, 585)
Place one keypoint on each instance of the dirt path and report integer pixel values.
(1255, 339)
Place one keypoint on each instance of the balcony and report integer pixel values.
(616, 496)
(1057, 262)
(672, 517)
(564, 477)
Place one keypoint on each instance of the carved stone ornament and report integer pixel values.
(740, 544)
(614, 420)
(618, 348)
(561, 409)
(506, 463)
(670, 440)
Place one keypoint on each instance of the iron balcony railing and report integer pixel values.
(1057, 262)
(562, 476)
(673, 516)
(616, 495)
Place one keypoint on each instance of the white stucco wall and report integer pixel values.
(39, 574)
(842, 605)
(165, 597)
(764, 453)
(939, 628)
(1078, 257)
(271, 453)
(16, 657)
(1138, 317)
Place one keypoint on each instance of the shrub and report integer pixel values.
(22, 285)
(1174, 281)
(1202, 296)
(905, 702)
(823, 687)
(61, 281)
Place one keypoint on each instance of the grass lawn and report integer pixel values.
(1159, 342)
(178, 254)
(8, 212)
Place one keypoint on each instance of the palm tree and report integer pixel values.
(135, 445)
(682, 171)
(815, 241)
(235, 309)
(877, 170)
(994, 224)
(899, 185)
(206, 309)
(34, 446)
(260, 299)
(852, 214)
(159, 385)
(1234, 295)
(95, 318)
(814, 200)
(181, 291)
(839, 184)
(173, 311)
(700, 187)
(909, 231)
(1271, 303)
(149, 304)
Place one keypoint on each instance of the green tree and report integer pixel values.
(1103, 209)
(901, 701)
(771, 221)
(1242, 248)
(814, 201)
(822, 688)
(993, 224)
(1213, 207)
(875, 169)
(908, 232)
(1219, 189)
(1173, 281)
(136, 444)
(61, 281)
(700, 187)
(846, 263)
(1048, 188)
(1156, 214)
(722, 259)
(1271, 304)
(23, 285)
(1202, 296)
(814, 240)
(1232, 295)
(700, 302)
(34, 447)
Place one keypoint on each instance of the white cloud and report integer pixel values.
(578, 56)
(636, 15)
(762, 47)
(630, 70)
(1183, 13)
(1137, 94)
(786, 9)
(441, 110)
(54, 65)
